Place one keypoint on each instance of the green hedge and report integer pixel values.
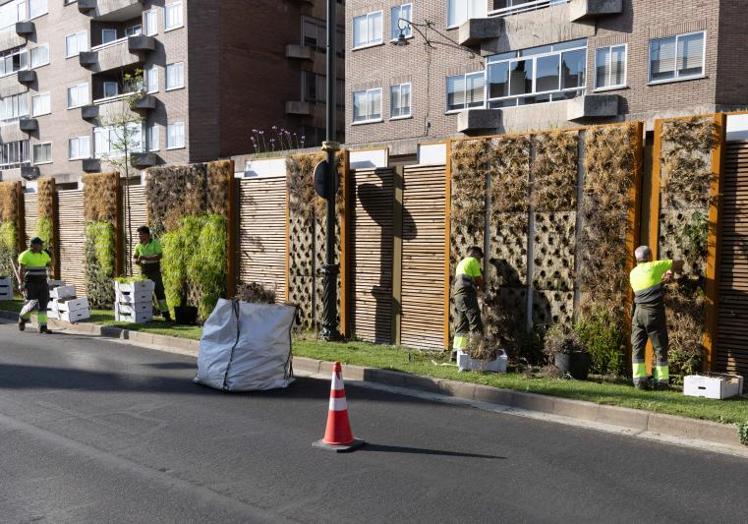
(100, 260)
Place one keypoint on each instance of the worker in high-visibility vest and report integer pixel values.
(648, 281)
(468, 280)
(148, 254)
(33, 279)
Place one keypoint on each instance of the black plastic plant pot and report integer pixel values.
(576, 364)
(185, 315)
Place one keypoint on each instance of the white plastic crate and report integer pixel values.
(73, 304)
(53, 310)
(134, 298)
(62, 292)
(137, 287)
(131, 309)
(465, 363)
(133, 318)
(6, 289)
(716, 386)
(75, 316)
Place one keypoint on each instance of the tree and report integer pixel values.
(124, 127)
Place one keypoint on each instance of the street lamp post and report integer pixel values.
(330, 146)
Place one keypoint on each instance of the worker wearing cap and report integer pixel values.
(468, 280)
(33, 278)
(148, 254)
(648, 280)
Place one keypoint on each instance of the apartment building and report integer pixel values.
(194, 78)
(490, 66)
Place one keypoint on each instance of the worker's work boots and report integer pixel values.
(21, 324)
(43, 330)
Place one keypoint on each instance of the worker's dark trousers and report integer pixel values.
(153, 272)
(37, 289)
(649, 324)
(467, 319)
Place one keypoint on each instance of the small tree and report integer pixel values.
(126, 136)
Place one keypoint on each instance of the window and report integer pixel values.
(14, 107)
(535, 75)
(14, 154)
(400, 101)
(110, 141)
(108, 35)
(314, 33)
(509, 7)
(677, 57)
(76, 43)
(174, 76)
(150, 22)
(41, 105)
(173, 16)
(367, 105)
(79, 147)
(610, 67)
(39, 55)
(175, 136)
(12, 12)
(43, 153)
(151, 79)
(37, 8)
(110, 89)
(77, 95)
(153, 138)
(134, 30)
(367, 29)
(459, 11)
(465, 91)
(405, 12)
(14, 60)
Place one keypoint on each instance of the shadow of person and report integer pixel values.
(380, 207)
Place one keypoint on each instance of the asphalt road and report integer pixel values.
(94, 431)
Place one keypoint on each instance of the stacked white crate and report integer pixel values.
(6, 289)
(134, 301)
(65, 305)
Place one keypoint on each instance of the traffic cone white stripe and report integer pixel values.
(338, 404)
(337, 383)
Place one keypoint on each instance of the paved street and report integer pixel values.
(94, 431)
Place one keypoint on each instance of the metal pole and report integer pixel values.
(330, 271)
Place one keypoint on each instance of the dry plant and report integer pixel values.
(256, 293)
(46, 198)
(471, 164)
(554, 171)
(510, 176)
(100, 197)
(219, 177)
(9, 195)
(173, 192)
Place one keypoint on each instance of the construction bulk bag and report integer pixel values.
(246, 347)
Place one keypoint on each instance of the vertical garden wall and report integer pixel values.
(100, 206)
(47, 222)
(11, 225)
(188, 210)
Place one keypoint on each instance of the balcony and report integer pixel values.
(143, 160)
(299, 52)
(10, 85)
(27, 77)
(91, 165)
(298, 108)
(90, 112)
(29, 172)
(10, 39)
(111, 10)
(25, 29)
(118, 54)
(117, 106)
(28, 125)
(534, 23)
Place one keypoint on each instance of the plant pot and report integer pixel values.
(576, 364)
(185, 315)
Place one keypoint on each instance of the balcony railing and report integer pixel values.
(525, 7)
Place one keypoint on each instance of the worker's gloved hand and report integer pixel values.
(667, 277)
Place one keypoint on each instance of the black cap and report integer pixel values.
(37, 241)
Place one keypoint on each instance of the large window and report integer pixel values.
(367, 29)
(676, 57)
(13, 60)
(110, 141)
(43, 153)
(465, 91)
(110, 89)
(150, 22)
(39, 55)
(174, 76)
(14, 107)
(398, 16)
(610, 67)
(77, 95)
(79, 147)
(173, 16)
(12, 12)
(151, 79)
(76, 43)
(459, 11)
(37, 8)
(510, 7)
(175, 135)
(154, 132)
(540, 74)
(400, 101)
(108, 35)
(41, 105)
(14, 154)
(367, 105)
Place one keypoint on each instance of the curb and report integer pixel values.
(633, 420)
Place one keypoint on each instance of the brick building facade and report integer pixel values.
(644, 59)
(213, 71)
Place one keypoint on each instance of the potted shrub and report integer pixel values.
(482, 356)
(567, 352)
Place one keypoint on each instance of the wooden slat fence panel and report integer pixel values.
(32, 215)
(423, 257)
(138, 217)
(372, 239)
(72, 240)
(732, 332)
(262, 233)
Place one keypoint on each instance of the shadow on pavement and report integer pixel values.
(425, 451)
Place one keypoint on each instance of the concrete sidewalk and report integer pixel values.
(635, 422)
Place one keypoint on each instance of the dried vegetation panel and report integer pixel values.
(46, 198)
(174, 192)
(219, 176)
(9, 197)
(100, 197)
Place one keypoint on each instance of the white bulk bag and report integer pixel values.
(246, 347)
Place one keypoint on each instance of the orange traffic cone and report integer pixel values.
(338, 434)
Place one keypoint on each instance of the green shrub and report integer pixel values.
(743, 433)
(100, 258)
(602, 334)
(44, 230)
(8, 243)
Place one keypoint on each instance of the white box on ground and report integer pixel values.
(465, 363)
(716, 386)
(134, 298)
(75, 316)
(73, 304)
(136, 287)
(6, 289)
(62, 292)
(134, 309)
(53, 310)
(133, 318)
